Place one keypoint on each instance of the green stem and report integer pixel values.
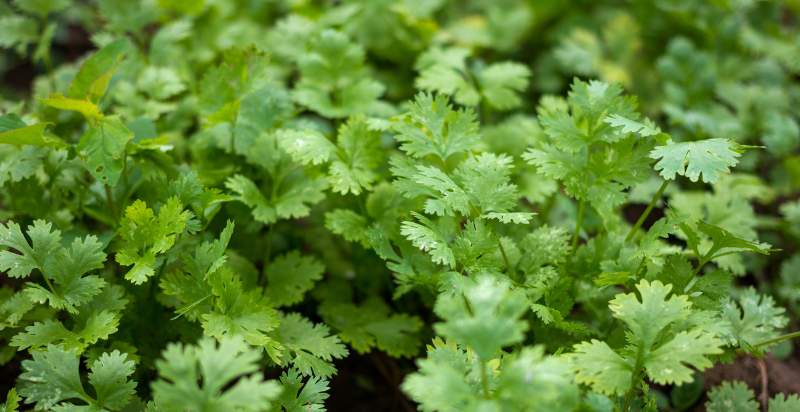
(505, 257)
(779, 339)
(701, 262)
(110, 199)
(578, 223)
(260, 279)
(635, 377)
(484, 380)
(647, 211)
(49, 285)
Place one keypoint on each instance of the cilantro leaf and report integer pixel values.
(753, 318)
(306, 146)
(432, 127)
(356, 158)
(212, 377)
(371, 325)
(103, 147)
(664, 360)
(52, 379)
(483, 314)
(428, 239)
(333, 78)
(289, 277)
(706, 159)
(501, 84)
(62, 268)
(309, 348)
(237, 311)
(291, 200)
(146, 235)
(299, 396)
(731, 396)
(95, 73)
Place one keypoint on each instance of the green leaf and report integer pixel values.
(645, 128)
(212, 377)
(38, 254)
(306, 146)
(310, 348)
(299, 396)
(237, 311)
(483, 314)
(333, 79)
(784, 403)
(42, 8)
(432, 127)
(502, 83)
(357, 156)
(12, 401)
(109, 377)
(347, 224)
(98, 325)
(144, 236)
(88, 109)
(372, 325)
(290, 276)
(753, 318)
(732, 397)
(665, 359)
(428, 239)
(103, 148)
(18, 31)
(292, 202)
(675, 361)
(95, 73)
(706, 159)
(15, 132)
(52, 378)
(602, 368)
(510, 217)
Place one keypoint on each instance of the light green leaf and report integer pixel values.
(483, 314)
(703, 158)
(103, 148)
(502, 83)
(732, 397)
(424, 236)
(310, 348)
(290, 276)
(145, 236)
(644, 128)
(88, 109)
(306, 146)
(212, 377)
(95, 73)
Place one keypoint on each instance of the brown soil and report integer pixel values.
(767, 376)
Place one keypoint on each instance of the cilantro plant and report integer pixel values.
(227, 205)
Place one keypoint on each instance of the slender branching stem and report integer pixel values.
(779, 339)
(647, 211)
(578, 223)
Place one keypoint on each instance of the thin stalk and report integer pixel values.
(701, 262)
(49, 285)
(260, 279)
(578, 223)
(647, 211)
(779, 339)
(484, 380)
(635, 377)
(505, 257)
(110, 199)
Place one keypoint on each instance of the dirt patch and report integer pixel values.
(767, 376)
